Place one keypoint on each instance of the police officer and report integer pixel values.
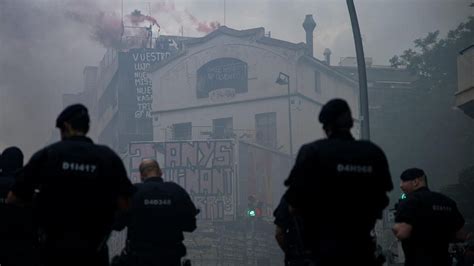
(76, 187)
(18, 238)
(160, 213)
(11, 161)
(426, 222)
(339, 187)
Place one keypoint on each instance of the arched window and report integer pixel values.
(222, 73)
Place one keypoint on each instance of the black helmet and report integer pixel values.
(336, 113)
(11, 160)
(77, 115)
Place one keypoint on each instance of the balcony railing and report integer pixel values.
(209, 133)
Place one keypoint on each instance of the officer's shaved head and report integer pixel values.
(413, 179)
(149, 168)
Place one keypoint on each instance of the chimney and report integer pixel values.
(309, 26)
(327, 56)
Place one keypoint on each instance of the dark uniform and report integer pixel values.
(18, 238)
(77, 185)
(160, 212)
(291, 225)
(338, 185)
(435, 219)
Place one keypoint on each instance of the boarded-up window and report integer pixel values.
(222, 128)
(182, 131)
(266, 130)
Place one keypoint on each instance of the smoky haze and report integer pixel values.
(43, 52)
(45, 44)
(44, 48)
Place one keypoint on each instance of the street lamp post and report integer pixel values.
(284, 79)
(364, 99)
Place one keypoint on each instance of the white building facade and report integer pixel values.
(224, 85)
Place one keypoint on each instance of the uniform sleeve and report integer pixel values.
(407, 211)
(122, 220)
(125, 187)
(458, 219)
(186, 211)
(29, 178)
(282, 215)
(383, 172)
(296, 182)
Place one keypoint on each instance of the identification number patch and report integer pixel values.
(157, 202)
(80, 167)
(442, 208)
(355, 168)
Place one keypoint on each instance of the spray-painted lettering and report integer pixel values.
(142, 60)
(204, 168)
(149, 56)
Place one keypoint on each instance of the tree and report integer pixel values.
(433, 59)
(447, 137)
(443, 136)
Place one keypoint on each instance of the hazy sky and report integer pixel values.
(43, 48)
(388, 26)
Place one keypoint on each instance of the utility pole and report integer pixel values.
(364, 98)
(284, 79)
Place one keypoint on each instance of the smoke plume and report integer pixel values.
(44, 46)
(183, 18)
(136, 18)
(203, 26)
(42, 54)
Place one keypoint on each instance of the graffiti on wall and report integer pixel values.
(142, 59)
(204, 168)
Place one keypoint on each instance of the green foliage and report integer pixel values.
(440, 135)
(433, 59)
